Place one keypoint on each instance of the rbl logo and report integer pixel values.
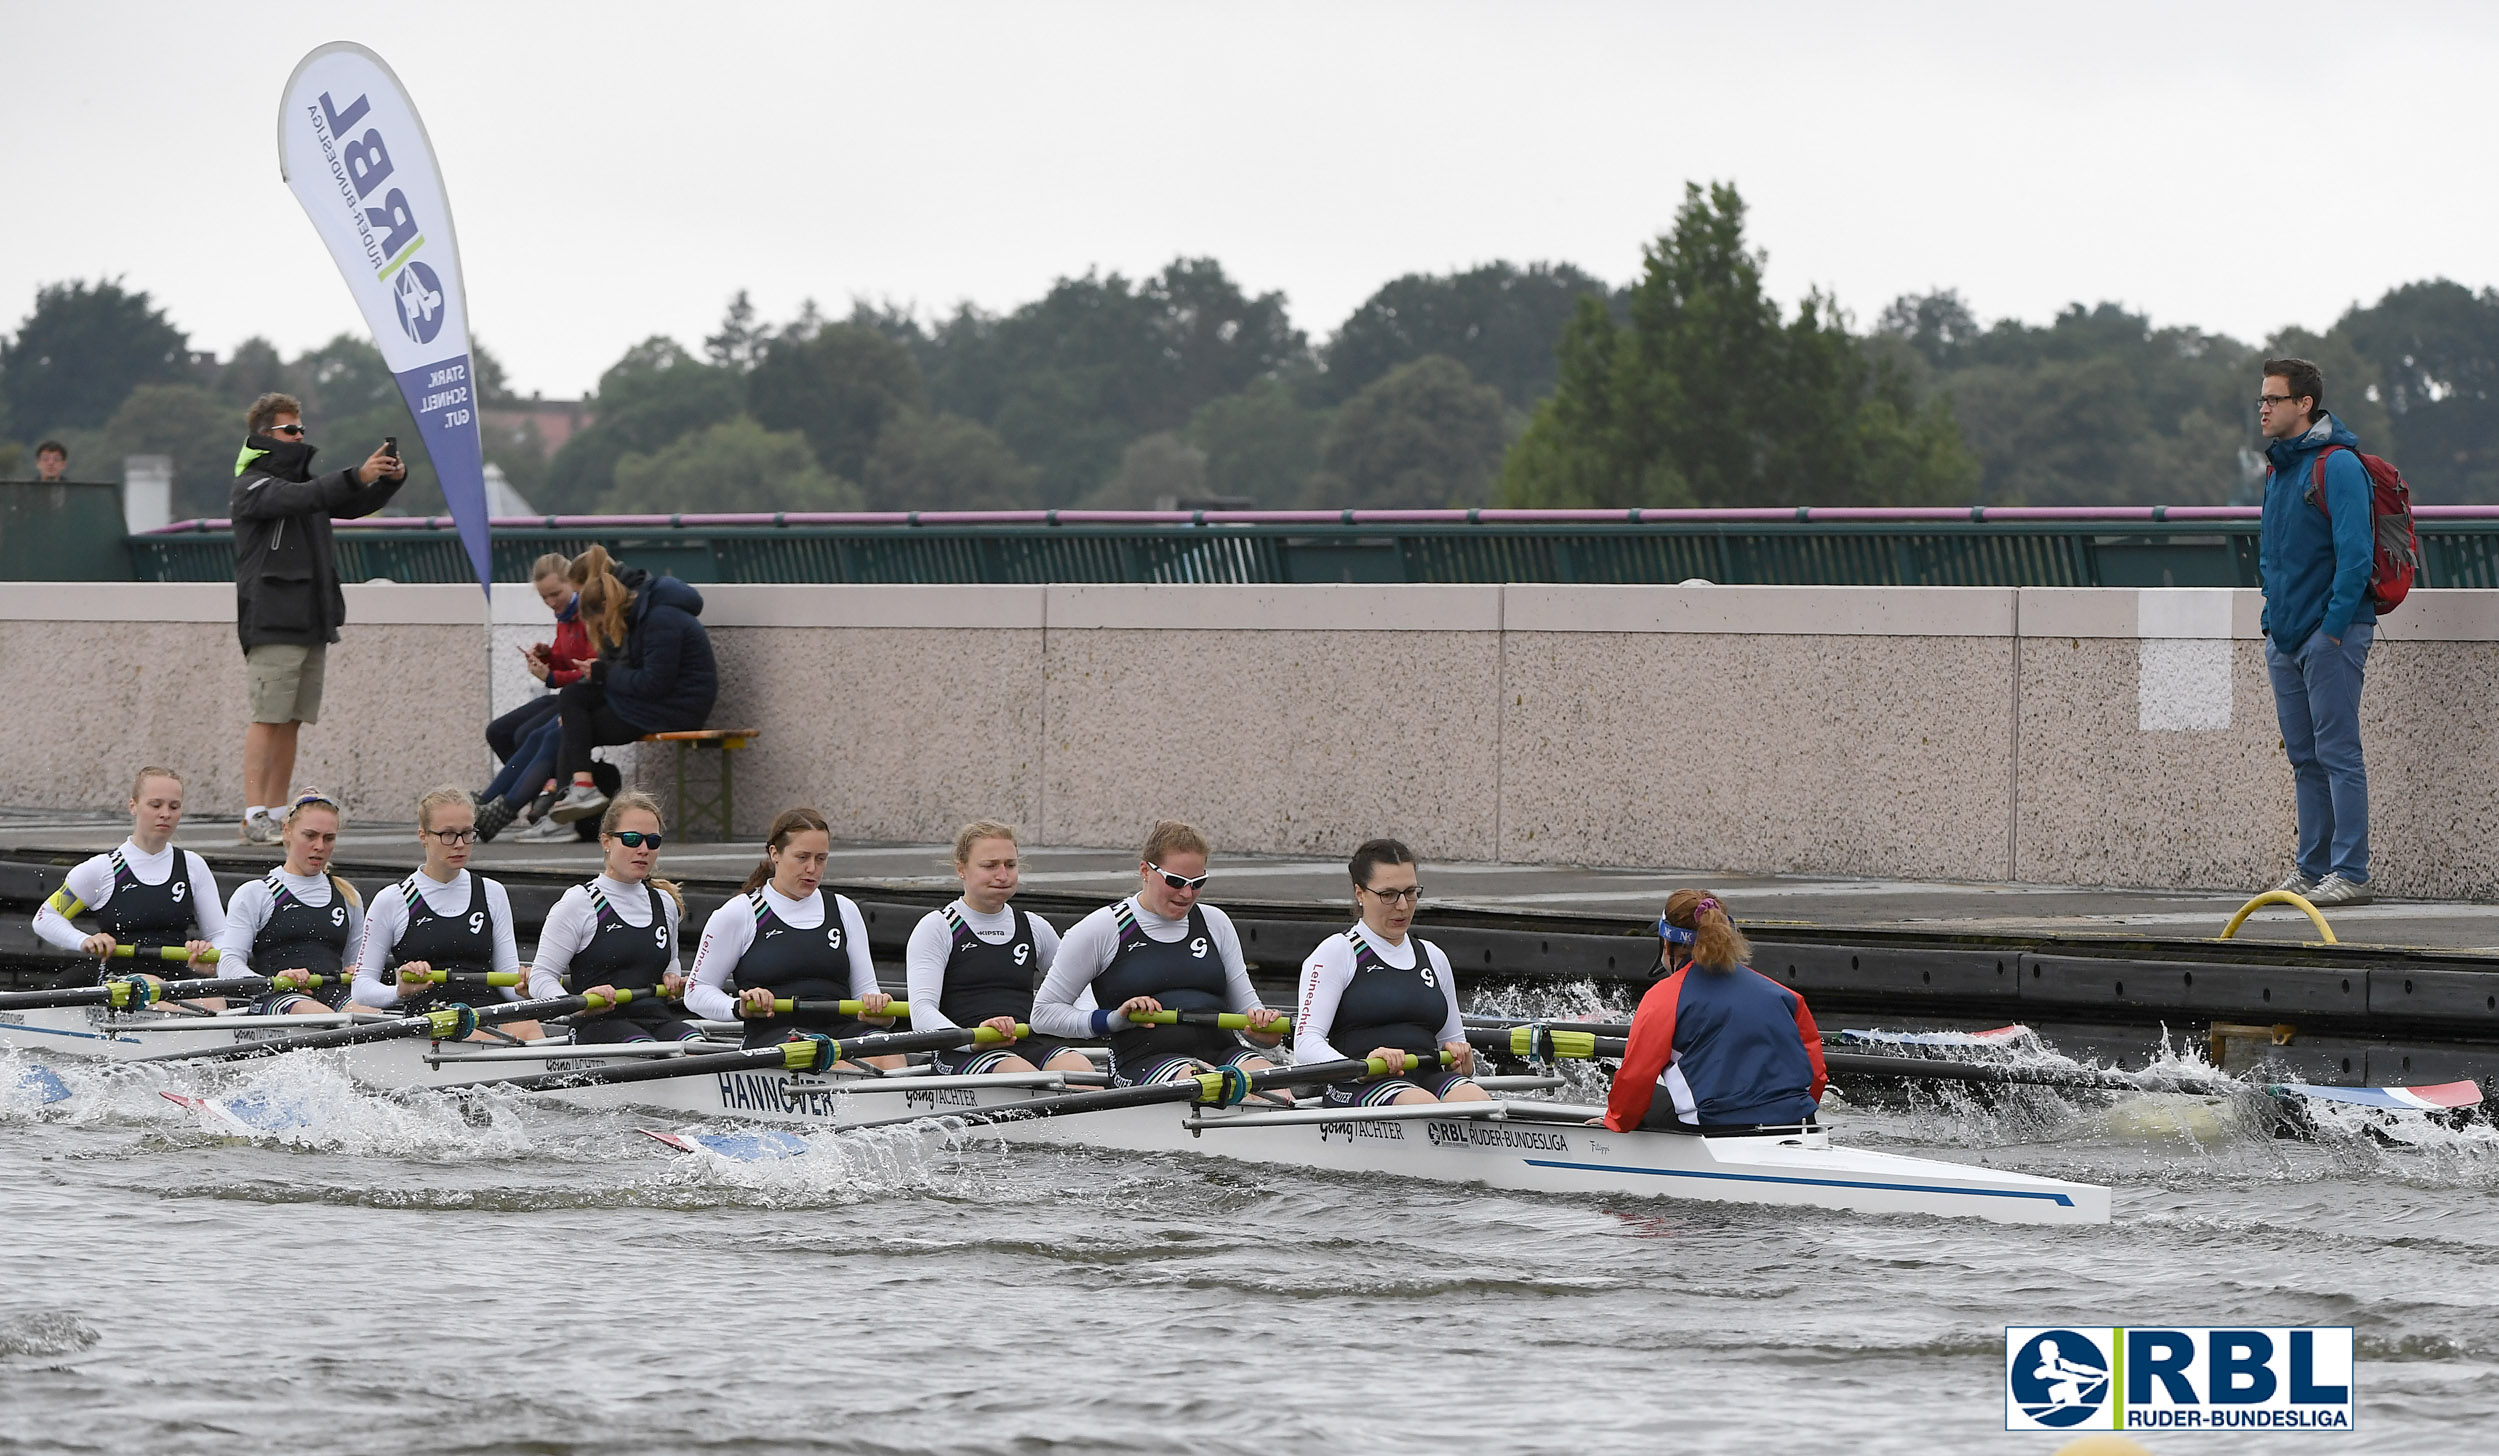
(2197, 1378)
(390, 227)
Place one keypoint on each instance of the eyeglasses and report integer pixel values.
(295, 430)
(1412, 894)
(453, 836)
(637, 838)
(1179, 882)
(2267, 401)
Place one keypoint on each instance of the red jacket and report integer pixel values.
(570, 653)
(1731, 1039)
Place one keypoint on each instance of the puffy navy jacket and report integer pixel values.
(663, 679)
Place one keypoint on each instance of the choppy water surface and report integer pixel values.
(397, 1276)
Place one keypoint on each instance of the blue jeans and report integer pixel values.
(526, 739)
(2316, 696)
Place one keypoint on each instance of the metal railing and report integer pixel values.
(1976, 546)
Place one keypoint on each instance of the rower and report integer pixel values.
(299, 920)
(976, 962)
(1157, 950)
(145, 893)
(1730, 1047)
(785, 939)
(619, 930)
(1375, 991)
(441, 918)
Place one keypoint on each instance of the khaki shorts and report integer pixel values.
(286, 682)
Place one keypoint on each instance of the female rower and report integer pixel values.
(299, 920)
(785, 939)
(441, 918)
(976, 962)
(145, 893)
(1375, 991)
(619, 931)
(1157, 950)
(1729, 1046)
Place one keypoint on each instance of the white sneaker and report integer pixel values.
(579, 802)
(2335, 890)
(2294, 883)
(263, 829)
(549, 828)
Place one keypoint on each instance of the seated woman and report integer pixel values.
(299, 920)
(977, 962)
(619, 931)
(441, 918)
(784, 939)
(1160, 949)
(1727, 1045)
(1375, 991)
(145, 893)
(528, 738)
(654, 672)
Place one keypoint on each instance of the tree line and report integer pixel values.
(1533, 385)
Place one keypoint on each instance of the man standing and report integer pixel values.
(2317, 542)
(288, 605)
(51, 462)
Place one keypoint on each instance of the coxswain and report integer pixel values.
(619, 932)
(1376, 991)
(1728, 1046)
(784, 939)
(976, 962)
(299, 920)
(1157, 950)
(145, 893)
(441, 918)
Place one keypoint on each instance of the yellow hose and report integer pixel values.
(2279, 897)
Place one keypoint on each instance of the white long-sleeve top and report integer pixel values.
(249, 911)
(575, 920)
(731, 930)
(90, 882)
(1325, 976)
(388, 920)
(931, 946)
(1060, 1007)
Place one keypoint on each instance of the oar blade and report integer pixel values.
(2437, 1097)
(735, 1147)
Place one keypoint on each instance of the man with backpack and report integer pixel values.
(2319, 554)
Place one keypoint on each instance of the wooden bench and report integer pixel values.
(718, 806)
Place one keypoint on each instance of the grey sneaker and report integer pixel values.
(545, 830)
(2295, 883)
(2335, 890)
(263, 829)
(579, 802)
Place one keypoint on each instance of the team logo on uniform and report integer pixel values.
(2059, 1379)
(1023, 953)
(1197, 948)
(659, 936)
(338, 915)
(477, 922)
(833, 936)
(181, 888)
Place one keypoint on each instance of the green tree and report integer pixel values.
(1705, 397)
(254, 368)
(740, 343)
(944, 462)
(736, 465)
(2429, 356)
(1155, 469)
(82, 351)
(200, 431)
(1261, 444)
(1500, 320)
(840, 388)
(1424, 435)
(646, 401)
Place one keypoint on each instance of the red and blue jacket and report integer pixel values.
(1727, 1046)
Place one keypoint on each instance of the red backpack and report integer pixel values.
(2397, 559)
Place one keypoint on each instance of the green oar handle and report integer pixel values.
(122, 995)
(1557, 1043)
(441, 1023)
(162, 953)
(783, 1006)
(798, 1054)
(466, 978)
(1220, 1088)
(1223, 1020)
(1924, 1068)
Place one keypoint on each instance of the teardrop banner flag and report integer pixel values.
(355, 154)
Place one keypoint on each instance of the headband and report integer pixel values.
(1674, 934)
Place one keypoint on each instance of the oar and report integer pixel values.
(124, 993)
(1221, 1020)
(443, 1023)
(1540, 1041)
(465, 978)
(1933, 1069)
(808, 1053)
(1220, 1088)
(164, 953)
(785, 1006)
(1505, 1023)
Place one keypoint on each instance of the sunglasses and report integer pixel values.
(1179, 882)
(1412, 894)
(295, 430)
(636, 838)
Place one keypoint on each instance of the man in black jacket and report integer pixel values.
(288, 605)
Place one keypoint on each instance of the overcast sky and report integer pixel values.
(617, 170)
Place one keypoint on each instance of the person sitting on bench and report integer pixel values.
(654, 672)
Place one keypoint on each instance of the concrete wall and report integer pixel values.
(2075, 736)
